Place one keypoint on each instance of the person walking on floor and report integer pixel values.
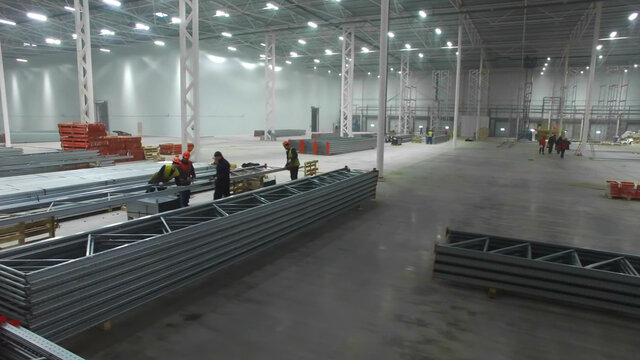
(542, 143)
(223, 176)
(293, 163)
(565, 146)
(166, 173)
(559, 144)
(552, 142)
(429, 136)
(187, 174)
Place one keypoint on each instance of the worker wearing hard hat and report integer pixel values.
(166, 173)
(187, 174)
(293, 163)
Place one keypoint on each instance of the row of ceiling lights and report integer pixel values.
(612, 36)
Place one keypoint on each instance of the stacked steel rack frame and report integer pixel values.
(18, 343)
(569, 274)
(22, 164)
(61, 286)
(86, 198)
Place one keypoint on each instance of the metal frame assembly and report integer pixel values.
(82, 199)
(407, 97)
(348, 68)
(189, 74)
(61, 286)
(3, 102)
(574, 275)
(85, 67)
(18, 343)
(270, 86)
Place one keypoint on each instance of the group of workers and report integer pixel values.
(184, 173)
(561, 144)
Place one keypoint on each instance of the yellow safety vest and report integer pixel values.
(293, 163)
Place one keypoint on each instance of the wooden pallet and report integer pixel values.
(20, 232)
(152, 153)
(310, 168)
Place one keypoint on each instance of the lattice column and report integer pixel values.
(85, 69)
(270, 86)
(441, 80)
(348, 67)
(405, 118)
(189, 74)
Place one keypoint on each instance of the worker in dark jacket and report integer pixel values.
(223, 176)
(559, 145)
(187, 174)
(293, 163)
(166, 173)
(552, 142)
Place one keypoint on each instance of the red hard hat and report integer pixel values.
(285, 143)
(186, 155)
(176, 160)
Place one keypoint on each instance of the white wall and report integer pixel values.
(142, 84)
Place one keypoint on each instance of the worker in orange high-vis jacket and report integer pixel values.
(187, 174)
(293, 163)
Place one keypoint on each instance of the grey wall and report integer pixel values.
(142, 85)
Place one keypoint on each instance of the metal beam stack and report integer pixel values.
(61, 286)
(18, 343)
(22, 164)
(579, 276)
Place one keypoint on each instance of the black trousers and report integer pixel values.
(294, 172)
(222, 191)
(562, 153)
(184, 197)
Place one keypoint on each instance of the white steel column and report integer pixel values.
(565, 91)
(85, 68)
(480, 94)
(456, 111)
(3, 96)
(382, 84)
(348, 64)
(270, 86)
(189, 74)
(584, 133)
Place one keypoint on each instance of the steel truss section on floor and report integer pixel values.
(585, 277)
(23, 164)
(83, 199)
(61, 286)
(18, 343)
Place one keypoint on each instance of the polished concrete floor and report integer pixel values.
(360, 286)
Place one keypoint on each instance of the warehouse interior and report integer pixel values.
(425, 222)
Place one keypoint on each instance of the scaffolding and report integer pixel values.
(408, 98)
(441, 112)
(617, 93)
(526, 97)
(477, 82)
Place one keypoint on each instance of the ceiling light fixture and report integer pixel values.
(226, 34)
(270, 6)
(422, 13)
(633, 16)
(625, 70)
(599, 47)
(541, 73)
(635, 65)
(293, 54)
(449, 44)
(231, 48)
(263, 44)
(159, 43)
(421, 55)
(74, 36)
(35, 16)
(69, 8)
(22, 60)
(613, 34)
(160, 14)
(328, 52)
(52, 41)
(302, 41)
(107, 32)
(105, 50)
(546, 64)
(391, 35)
(7, 22)
(548, 59)
(365, 49)
(220, 13)
(587, 68)
(600, 57)
(316, 61)
(329, 71)
(312, 24)
(315, 67)
(407, 46)
(438, 31)
(288, 62)
(339, 37)
(391, 69)
(112, 2)
(216, 59)
(581, 71)
(140, 26)
(175, 20)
